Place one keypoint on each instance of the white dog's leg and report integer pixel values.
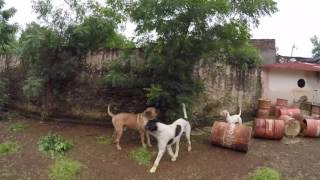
(170, 152)
(148, 139)
(188, 131)
(162, 149)
(177, 149)
(240, 120)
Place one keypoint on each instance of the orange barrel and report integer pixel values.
(268, 128)
(234, 136)
(282, 102)
(277, 110)
(263, 113)
(315, 111)
(312, 127)
(289, 111)
(264, 104)
(286, 118)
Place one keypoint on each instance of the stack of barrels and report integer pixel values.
(285, 121)
(264, 107)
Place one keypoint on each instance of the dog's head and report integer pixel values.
(151, 125)
(224, 113)
(150, 113)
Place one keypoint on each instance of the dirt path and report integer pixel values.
(294, 161)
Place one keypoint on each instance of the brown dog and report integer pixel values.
(133, 121)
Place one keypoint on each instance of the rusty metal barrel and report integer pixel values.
(263, 113)
(315, 111)
(292, 126)
(289, 111)
(234, 136)
(264, 104)
(312, 127)
(268, 128)
(282, 102)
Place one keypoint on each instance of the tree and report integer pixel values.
(316, 47)
(178, 33)
(7, 30)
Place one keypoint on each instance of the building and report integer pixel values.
(293, 80)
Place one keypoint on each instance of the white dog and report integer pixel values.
(232, 119)
(167, 135)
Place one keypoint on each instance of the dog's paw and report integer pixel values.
(149, 145)
(173, 159)
(119, 147)
(189, 148)
(153, 169)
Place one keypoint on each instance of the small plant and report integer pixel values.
(54, 144)
(104, 140)
(17, 127)
(141, 155)
(12, 115)
(264, 173)
(9, 148)
(64, 169)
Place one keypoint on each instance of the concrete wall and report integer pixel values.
(283, 84)
(267, 49)
(225, 87)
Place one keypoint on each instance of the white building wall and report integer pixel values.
(277, 83)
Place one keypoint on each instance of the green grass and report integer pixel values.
(264, 173)
(141, 155)
(8, 148)
(54, 144)
(64, 169)
(104, 140)
(17, 127)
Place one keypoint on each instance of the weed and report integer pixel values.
(64, 169)
(54, 144)
(104, 140)
(141, 155)
(264, 173)
(12, 115)
(8, 148)
(17, 127)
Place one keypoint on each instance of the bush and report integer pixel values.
(264, 173)
(8, 148)
(141, 155)
(4, 96)
(54, 144)
(64, 169)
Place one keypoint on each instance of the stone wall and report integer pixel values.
(225, 87)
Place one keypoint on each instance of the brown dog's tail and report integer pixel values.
(109, 112)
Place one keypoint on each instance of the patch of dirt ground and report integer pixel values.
(299, 160)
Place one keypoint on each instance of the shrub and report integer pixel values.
(141, 155)
(264, 173)
(17, 127)
(54, 144)
(104, 140)
(64, 169)
(8, 148)
(32, 87)
(4, 96)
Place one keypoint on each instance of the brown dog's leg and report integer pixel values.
(119, 134)
(142, 138)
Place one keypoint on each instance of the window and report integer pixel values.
(301, 83)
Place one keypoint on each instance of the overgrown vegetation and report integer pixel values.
(8, 148)
(64, 169)
(104, 140)
(177, 34)
(141, 155)
(17, 127)
(54, 144)
(4, 96)
(316, 47)
(264, 173)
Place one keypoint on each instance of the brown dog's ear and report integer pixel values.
(150, 113)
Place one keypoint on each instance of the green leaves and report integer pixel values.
(7, 30)
(316, 47)
(54, 144)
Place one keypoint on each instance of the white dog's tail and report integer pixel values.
(184, 111)
(239, 111)
(109, 112)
